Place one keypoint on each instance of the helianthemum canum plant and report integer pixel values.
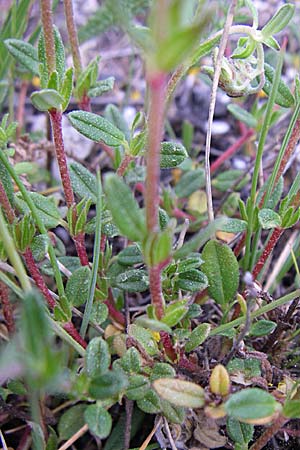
(151, 358)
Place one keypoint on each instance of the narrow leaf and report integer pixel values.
(279, 21)
(96, 128)
(24, 53)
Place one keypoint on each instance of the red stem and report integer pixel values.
(269, 433)
(37, 277)
(85, 103)
(71, 330)
(156, 290)
(7, 308)
(168, 345)
(5, 203)
(157, 87)
(81, 249)
(21, 106)
(124, 164)
(267, 251)
(289, 149)
(113, 312)
(46, 16)
(56, 123)
(231, 150)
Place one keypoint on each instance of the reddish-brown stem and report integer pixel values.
(289, 149)
(231, 150)
(47, 21)
(277, 232)
(21, 106)
(5, 203)
(179, 214)
(124, 164)
(85, 103)
(166, 341)
(269, 433)
(156, 290)
(73, 37)
(37, 277)
(81, 249)
(56, 123)
(239, 246)
(26, 437)
(113, 312)
(7, 308)
(157, 86)
(71, 330)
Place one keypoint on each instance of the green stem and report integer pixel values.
(263, 310)
(39, 222)
(96, 256)
(260, 149)
(13, 255)
(6, 280)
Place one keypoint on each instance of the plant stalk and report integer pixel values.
(7, 308)
(269, 433)
(73, 37)
(47, 22)
(277, 232)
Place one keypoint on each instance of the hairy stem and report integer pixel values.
(37, 277)
(267, 251)
(47, 22)
(7, 308)
(269, 433)
(5, 203)
(73, 37)
(81, 249)
(56, 123)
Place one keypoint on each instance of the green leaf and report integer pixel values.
(239, 432)
(174, 414)
(190, 182)
(52, 442)
(222, 270)
(193, 280)
(108, 385)
(71, 421)
(130, 256)
(96, 128)
(251, 404)
(47, 99)
(98, 420)
(175, 312)
(279, 21)
(100, 87)
(157, 247)
(59, 54)
(284, 97)
(194, 261)
(172, 154)
(230, 225)
(162, 370)
(150, 403)
(67, 88)
(230, 179)
(97, 358)
(47, 209)
(87, 78)
(99, 313)
(114, 116)
(83, 182)
(242, 115)
(7, 183)
(134, 280)
(144, 337)
(176, 47)
(198, 336)
(180, 392)
(262, 328)
(268, 219)
(78, 286)
(138, 386)
(291, 409)
(152, 324)
(124, 208)
(24, 53)
(272, 43)
(131, 360)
